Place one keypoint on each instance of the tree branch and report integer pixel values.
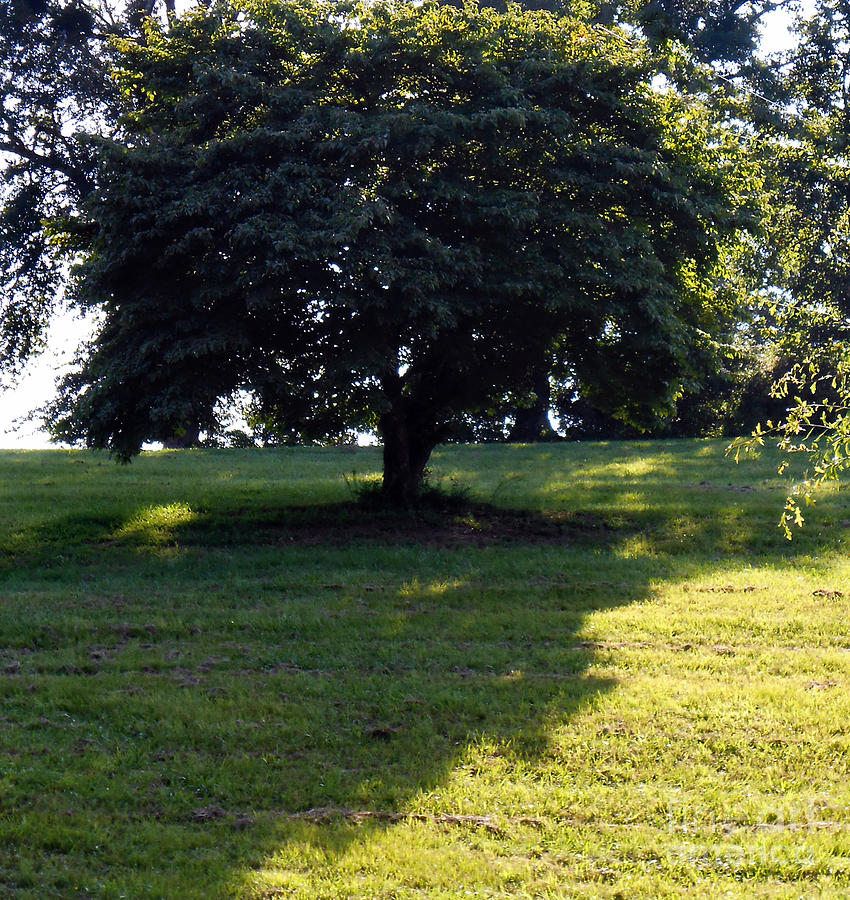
(51, 162)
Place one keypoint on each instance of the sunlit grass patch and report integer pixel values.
(413, 589)
(156, 525)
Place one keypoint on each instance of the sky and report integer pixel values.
(36, 385)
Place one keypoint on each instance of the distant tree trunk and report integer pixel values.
(532, 422)
(182, 439)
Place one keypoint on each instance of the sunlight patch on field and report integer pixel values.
(156, 525)
(636, 546)
(433, 589)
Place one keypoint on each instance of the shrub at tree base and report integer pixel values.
(385, 216)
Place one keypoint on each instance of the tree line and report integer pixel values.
(433, 222)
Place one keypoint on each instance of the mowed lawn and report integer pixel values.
(607, 675)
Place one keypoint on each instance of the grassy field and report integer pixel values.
(608, 675)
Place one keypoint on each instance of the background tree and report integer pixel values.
(55, 93)
(803, 264)
(53, 85)
(725, 31)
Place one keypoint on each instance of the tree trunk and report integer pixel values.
(409, 436)
(406, 453)
(532, 422)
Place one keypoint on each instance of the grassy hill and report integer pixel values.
(604, 673)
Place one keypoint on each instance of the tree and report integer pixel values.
(725, 31)
(52, 81)
(55, 57)
(802, 265)
(383, 215)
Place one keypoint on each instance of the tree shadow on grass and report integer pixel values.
(178, 523)
(456, 525)
(180, 722)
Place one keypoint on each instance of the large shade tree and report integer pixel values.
(385, 216)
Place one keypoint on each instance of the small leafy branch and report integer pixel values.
(817, 426)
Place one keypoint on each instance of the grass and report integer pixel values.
(608, 676)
